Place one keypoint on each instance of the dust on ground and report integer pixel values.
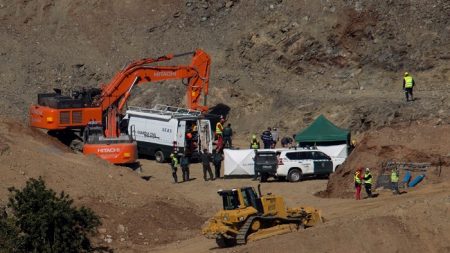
(146, 212)
(283, 66)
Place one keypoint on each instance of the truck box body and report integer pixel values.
(163, 129)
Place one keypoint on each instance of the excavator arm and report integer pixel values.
(57, 112)
(136, 73)
(116, 94)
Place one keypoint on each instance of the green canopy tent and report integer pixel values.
(324, 133)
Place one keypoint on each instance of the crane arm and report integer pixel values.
(118, 90)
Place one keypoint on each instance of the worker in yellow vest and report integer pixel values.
(368, 182)
(357, 178)
(408, 84)
(219, 128)
(254, 143)
(394, 181)
(174, 166)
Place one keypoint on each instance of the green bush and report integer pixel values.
(43, 221)
(8, 234)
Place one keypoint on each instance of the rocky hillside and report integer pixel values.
(277, 62)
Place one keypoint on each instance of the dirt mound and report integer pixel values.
(132, 212)
(342, 59)
(405, 143)
(417, 219)
(156, 222)
(419, 224)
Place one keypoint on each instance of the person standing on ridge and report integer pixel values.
(266, 137)
(358, 182)
(368, 182)
(408, 85)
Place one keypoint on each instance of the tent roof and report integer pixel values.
(322, 130)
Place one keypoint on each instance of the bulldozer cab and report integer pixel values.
(240, 198)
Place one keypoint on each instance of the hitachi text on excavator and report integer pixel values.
(90, 118)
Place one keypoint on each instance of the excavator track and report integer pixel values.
(241, 237)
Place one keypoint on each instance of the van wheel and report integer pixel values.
(294, 175)
(159, 156)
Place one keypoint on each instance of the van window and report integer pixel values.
(292, 155)
(321, 156)
(265, 157)
(305, 156)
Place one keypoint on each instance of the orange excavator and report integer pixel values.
(89, 118)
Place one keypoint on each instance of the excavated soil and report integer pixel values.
(146, 212)
(416, 143)
(130, 211)
(274, 63)
(287, 64)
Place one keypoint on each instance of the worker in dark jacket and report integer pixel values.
(227, 134)
(368, 182)
(217, 161)
(174, 166)
(266, 137)
(184, 163)
(286, 142)
(206, 158)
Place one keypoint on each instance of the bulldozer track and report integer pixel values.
(241, 237)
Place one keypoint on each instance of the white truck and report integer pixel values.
(161, 130)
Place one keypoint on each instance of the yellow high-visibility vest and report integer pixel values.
(219, 128)
(368, 181)
(408, 81)
(394, 176)
(357, 179)
(255, 144)
(175, 161)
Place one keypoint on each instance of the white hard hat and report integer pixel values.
(367, 169)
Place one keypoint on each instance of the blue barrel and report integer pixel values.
(416, 180)
(407, 177)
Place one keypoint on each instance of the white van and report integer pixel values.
(160, 130)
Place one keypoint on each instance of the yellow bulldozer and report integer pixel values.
(247, 216)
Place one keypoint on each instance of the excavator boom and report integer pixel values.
(57, 112)
(141, 71)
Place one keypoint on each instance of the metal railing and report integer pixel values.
(166, 110)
